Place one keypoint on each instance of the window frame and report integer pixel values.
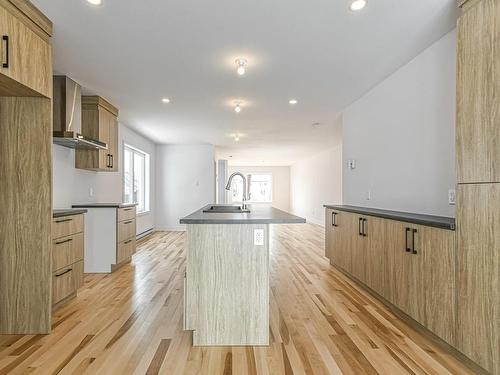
(272, 187)
(147, 176)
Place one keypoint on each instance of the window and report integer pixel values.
(136, 179)
(261, 188)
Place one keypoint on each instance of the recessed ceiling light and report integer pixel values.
(237, 109)
(357, 5)
(292, 101)
(165, 100)
(95, 2)
(240, 63)
(237, 138)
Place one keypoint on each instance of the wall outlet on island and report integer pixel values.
(258, 237)
(91, 192)
(452, 196)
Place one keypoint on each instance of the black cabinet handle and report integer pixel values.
(127, 209)
(365, 221)
(128, 222)
(112, 161)
(5, 38)
(63, 221)
(408, 249)
(359, 226)
(127, 242)
(413, 241)
(334, 219)
(65, 241)
(65, 272)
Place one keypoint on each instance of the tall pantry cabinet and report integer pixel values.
(478, 175)
(25, 169)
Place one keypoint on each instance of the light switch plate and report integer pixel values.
(258, 237)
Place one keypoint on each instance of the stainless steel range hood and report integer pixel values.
(67, 126)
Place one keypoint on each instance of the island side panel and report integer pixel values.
(227, 281)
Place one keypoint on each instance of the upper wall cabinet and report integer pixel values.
(25, 53)
(99, 121)
(478, 92)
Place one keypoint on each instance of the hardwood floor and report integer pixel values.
(321, 322)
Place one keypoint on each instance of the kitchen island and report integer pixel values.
(226, 285)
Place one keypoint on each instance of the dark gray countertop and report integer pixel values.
(259, 214)
(428, 220)
(104, 205)
(68, 212)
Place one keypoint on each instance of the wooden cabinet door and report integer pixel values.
(113, 142)
(478, 273)
(433, 262)
(376, 254)
(400, 279)
(104, 159)
(358, 246)
(336, 249)
(478, 93)
(29, 57)
(329, 245)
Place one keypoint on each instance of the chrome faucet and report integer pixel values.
(246, 194)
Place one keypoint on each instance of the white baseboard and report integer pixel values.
(175, 228)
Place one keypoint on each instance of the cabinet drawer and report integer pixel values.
(126, 230)
(66, 251)
(66, 281)
(126, 213)
(125, 250)
(67, 225)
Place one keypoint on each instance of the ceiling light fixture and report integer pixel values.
(237, 109)
(292, 101)
(241, 66)
(237, 138)
(95, 2)
(357, 5)
(165, 100)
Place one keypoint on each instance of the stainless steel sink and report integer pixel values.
(225, 208)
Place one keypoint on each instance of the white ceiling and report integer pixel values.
(135, 52)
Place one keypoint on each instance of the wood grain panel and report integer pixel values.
(321, 322)
(126, 213)
(358, 245)
(434, 298)
(66, 281)
(25, 223)
(125, 250)
(30, 56)
(376, 255)
(67, 250)
(125, 230)
(30, 15)
(478, 94)
(67, 225)
(228, 285)
(478, 273)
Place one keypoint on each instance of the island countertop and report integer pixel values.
(259, 214)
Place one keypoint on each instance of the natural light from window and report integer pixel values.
(136, 181)
(261, 188)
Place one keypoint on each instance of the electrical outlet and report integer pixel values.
(91, 192)
(351, 164)
(452, 196)
(258, 237)
(368, 195)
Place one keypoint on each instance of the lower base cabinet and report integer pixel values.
(411, 266)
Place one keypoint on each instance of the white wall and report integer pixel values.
(185, 181)
(314, 182)
(281, 183)
(401, 134)
(71, 186)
